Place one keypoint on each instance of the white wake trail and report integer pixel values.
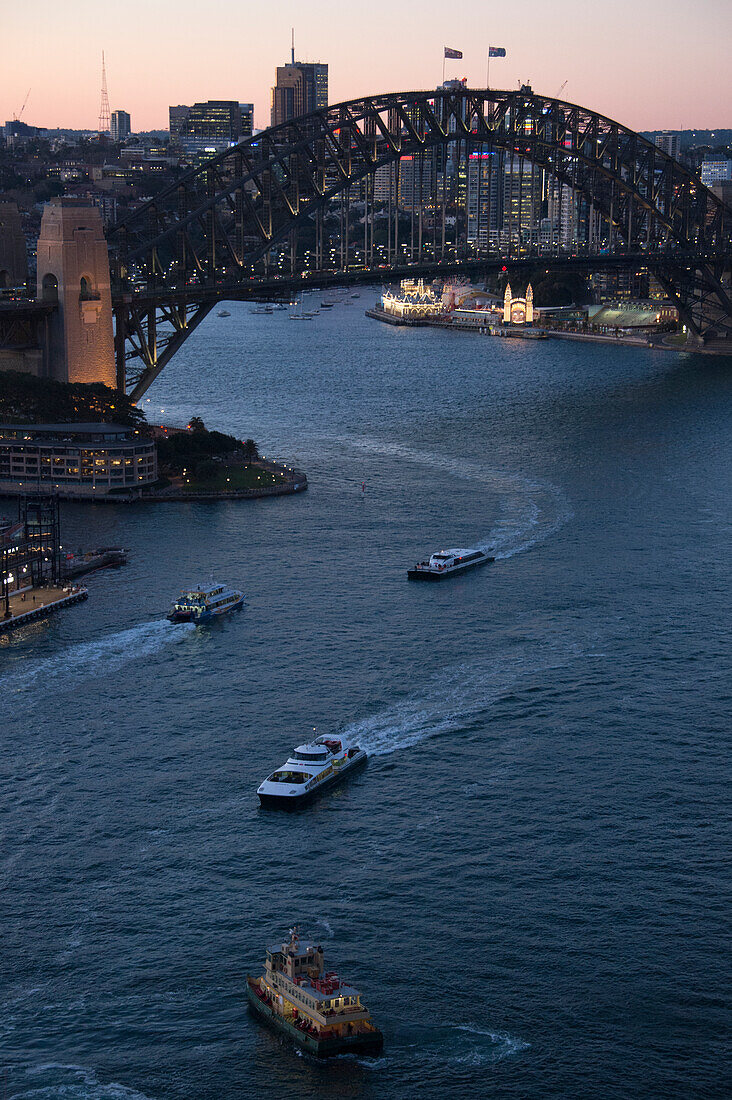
(530, 509)
(106, 654)
(453, 699)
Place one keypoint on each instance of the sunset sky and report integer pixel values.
(652, 65)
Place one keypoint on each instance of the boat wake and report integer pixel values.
(486, 1046)
(454, 699)
(530, 510)
(86, 659)
(54, 1079)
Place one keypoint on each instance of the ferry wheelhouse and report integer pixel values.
(311, 1006)
(208, 601)
(310, 769)
(446, 563)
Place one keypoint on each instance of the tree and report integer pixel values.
(195, 424)
(207, 470)
(251, 451)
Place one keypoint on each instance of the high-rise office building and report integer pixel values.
(484, 197)
(120, 125)
(562, 214)
(246, 128)
(302, 87)
(669, 143)
(522, 194)
(177, 119)
(716, 171)
(211, 127)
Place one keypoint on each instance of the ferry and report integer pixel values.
(309, 770)
(446, 563)
(297, 997)
(208, 601)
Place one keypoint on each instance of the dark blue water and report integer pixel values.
(530, 881)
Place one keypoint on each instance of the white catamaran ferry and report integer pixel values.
(208, 601)
(310, 769)
(447, 562)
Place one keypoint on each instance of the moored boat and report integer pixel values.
(310, 769)
(314, 1008)
(446, 563)
(208, 601)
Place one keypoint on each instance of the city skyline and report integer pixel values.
(664, 85)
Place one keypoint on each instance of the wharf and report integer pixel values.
(36, 603)
(532, 333)
(107, 557)
(484, 327)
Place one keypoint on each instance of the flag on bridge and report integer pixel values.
(453, 53)
(496, 51)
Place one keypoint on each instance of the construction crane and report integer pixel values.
(20, 112)
(566, 82)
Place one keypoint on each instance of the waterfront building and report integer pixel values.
(211, 126)
(30, 547)
(75, 460)
(301, 87)
(415, 300)
(518, 311)
(120, 125)
(669, 143)
(716, 171)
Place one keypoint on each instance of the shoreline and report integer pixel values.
(295, 482)
(535, 333)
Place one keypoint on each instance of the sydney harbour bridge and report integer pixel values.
(319, 201)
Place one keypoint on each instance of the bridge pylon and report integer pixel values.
(73, 271)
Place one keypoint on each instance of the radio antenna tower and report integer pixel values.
(104, 106)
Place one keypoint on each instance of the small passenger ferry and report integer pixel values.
(310, 769)
(311, 1006)
(208, 601)
(446, 563)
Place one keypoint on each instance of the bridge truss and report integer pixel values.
(380, 187)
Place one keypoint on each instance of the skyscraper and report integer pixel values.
(485, 197)
(211, 126)
(668, 143)
(302, 87)
(246, 112)
(178, 117)
(120, 125)
(522, 193)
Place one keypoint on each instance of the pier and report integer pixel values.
(25, 607)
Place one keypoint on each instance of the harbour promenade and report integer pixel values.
(25, 607)
(531, 332)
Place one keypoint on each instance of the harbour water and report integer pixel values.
(528, 883)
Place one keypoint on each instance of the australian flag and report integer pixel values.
(496, 51)
(453, 53)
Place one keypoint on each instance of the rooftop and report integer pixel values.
(69, 428)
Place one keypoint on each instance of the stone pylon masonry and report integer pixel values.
(73, 268)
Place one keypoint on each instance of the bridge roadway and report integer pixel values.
(263, 288)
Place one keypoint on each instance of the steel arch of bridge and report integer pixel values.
(211, 234)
